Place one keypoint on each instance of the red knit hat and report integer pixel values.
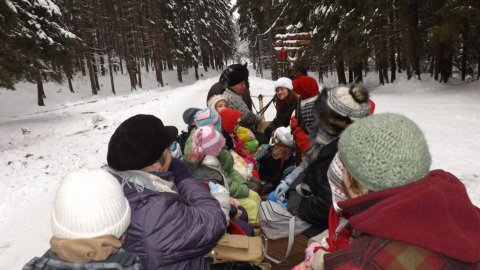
(229, 119)
(305, 86)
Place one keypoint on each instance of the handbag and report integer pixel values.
(238, 248)
(276, 223)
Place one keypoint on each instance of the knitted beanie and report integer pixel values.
(189, 115)
(384, 151)
(90, 203)
(344, 102)
(336, 108)
(207, 141)
(306, 87)
(229, 119)
(284, 135)
(208, 117)
(214, 100)
(139, 142)
(335, 180)
(283, 82)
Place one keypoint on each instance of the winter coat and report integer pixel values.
(203, 172)
(235, 101)
(121, 260)
(306, 117)
(172, 230)
(314, 209)
(209, 170)
(285, 108)
(236, 182)
(428, 224)
(270, 169)
(302, 124)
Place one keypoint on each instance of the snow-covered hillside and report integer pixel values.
(39, 145)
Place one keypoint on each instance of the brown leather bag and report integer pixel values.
(240, 248)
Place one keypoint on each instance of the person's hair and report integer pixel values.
(163, 157)
(354, 185)
(282, 105)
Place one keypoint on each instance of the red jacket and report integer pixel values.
(433, 216)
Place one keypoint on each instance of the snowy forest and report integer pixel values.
(47, 40)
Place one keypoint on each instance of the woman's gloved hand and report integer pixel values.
(281, 190)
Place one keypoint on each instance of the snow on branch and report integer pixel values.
(275, 22)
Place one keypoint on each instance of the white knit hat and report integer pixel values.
(90, 203)
(214, 99)
(284, 135)
(283, 82)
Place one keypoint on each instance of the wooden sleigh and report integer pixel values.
(262, 125)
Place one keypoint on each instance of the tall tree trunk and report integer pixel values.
(464, 49)
(339, 66)
(179, 72)
(350, 73)
(438, 60)
(70, 85)
(195, 66)
(110, 69)
(95, 70)
(90, 70)
(40, 91)
(120, 63)
(102, 65)
(478, 62)
(408, 12)
(82, 65)
(139, 73)
(205, 60)
(357, 71)
(393, 68)
(268, 9)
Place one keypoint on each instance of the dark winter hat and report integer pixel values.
(139, 142)
(236, 77)
(240, 68)
(336, 108)
(384, 151)
(305, 86)
(189, 115)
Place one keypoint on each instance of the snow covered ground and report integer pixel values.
(39, 145)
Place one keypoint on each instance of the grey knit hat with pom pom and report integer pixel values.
(350, 101)
(336, 108)
(384, 151)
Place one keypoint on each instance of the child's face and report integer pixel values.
(282, 93)
(222, 104)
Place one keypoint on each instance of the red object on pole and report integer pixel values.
(282, 54)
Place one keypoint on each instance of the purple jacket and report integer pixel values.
(174, 231)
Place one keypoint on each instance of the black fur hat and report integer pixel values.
(236, 77)
(336, 108)
(139, 142)
(239, 70)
